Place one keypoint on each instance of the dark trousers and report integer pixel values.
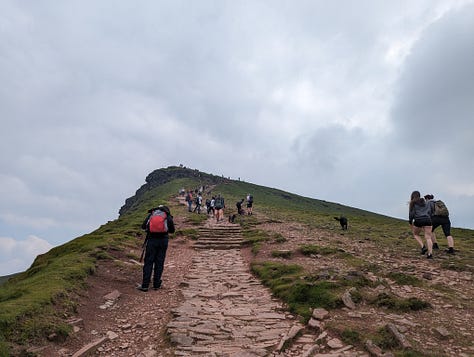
(154, 256)
(442, 221)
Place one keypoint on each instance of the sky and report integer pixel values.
(355, 102)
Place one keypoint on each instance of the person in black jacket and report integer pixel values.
(155, 251)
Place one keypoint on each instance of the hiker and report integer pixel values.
(430, 201)
(249, 204)
(158, 223)
(212, 206)
(219, 206)
(208, 206)
(189, 200)
(440, 217)
(198, 203)
(239, 206)
(420, 219)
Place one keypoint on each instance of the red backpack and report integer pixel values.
(158, 222)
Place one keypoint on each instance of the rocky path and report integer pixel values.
(227, 312)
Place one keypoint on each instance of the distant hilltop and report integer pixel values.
(164, 175)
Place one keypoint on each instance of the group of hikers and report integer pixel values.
(426, 214)
(159, 222)
(215, 204)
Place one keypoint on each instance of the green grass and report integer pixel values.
(287, 282)
(278, 238)
(196, 219)
(385, 340)
(394, 303)
(286, 254)
(252, 236)
(404, 279)
(351, 337)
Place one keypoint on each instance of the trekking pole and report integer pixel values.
(143, 250)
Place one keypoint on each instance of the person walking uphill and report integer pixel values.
(440, 217)
(158, 223)
(249, 204)
(189, 200)
(419, 218)
(219, 206)
(239, 207)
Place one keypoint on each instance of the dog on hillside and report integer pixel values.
(343, 221)
(232, 218)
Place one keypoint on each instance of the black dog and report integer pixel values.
(343, 221)
(232, 218)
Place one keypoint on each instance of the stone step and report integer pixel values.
(220, 231)
(221, 239)
(218, 246)
(221, 236)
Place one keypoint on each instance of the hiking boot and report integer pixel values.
(423, 250)
(141, 288)
(435, 246)
(429, 256)
(450, 250)
(156, 286)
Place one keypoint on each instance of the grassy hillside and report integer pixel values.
(36, 303)
(4, 279)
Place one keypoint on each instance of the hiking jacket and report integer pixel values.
(171, 228)
(420, 210)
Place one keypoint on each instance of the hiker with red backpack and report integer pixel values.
(440, 217)
(158, 223)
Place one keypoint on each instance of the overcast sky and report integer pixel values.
(355, 102)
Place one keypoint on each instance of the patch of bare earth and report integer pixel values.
(120, 319)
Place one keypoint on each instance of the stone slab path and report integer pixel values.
(227, 312)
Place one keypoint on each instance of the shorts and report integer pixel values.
(249, 204)
(422, 222)
(442, 221)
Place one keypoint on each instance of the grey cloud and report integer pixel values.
(435, 102)
(330, 149)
